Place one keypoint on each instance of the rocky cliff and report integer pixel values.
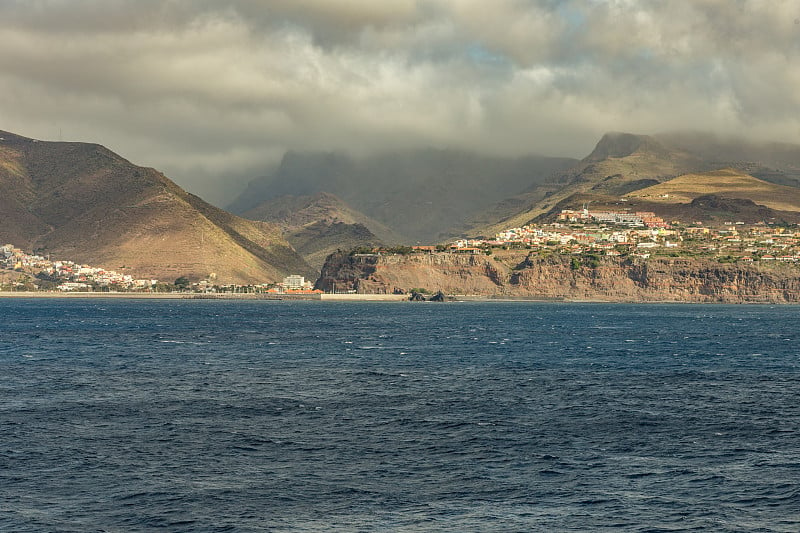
(522, 274)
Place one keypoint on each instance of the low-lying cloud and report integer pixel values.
(215, 94)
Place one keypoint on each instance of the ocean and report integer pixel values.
(123, 415)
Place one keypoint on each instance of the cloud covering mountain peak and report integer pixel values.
(206, 90)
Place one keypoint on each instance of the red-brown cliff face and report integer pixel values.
(519, 274)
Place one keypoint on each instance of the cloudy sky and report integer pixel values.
(214, 92)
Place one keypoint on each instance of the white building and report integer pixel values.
(294, 282)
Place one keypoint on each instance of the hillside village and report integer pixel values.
(28, 272)
(65, 276)
(642, 235)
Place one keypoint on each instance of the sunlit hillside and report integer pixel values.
(726, 182)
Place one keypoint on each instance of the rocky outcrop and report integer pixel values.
(528, 275)
(387, 274)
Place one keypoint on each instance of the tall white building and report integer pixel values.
(294, 282)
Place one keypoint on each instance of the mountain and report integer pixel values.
(422, 195)
(773, 162)
(292, 212)
(317, 225)
(727, 183)
(623, 163)
(620, 163)
(82, 202)
(710, 209)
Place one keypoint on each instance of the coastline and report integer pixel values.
(145, 296)
(522, 275)
(196, 296)
(354, 298)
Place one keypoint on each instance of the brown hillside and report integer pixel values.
(620, 163)
(318, 225)
(83, 202)
(625, 164)
(727, 182)
(709, 209)
(291, 213)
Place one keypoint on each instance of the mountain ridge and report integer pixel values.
(84, 202)
(622, 163)
(318, 225)
(423, 195)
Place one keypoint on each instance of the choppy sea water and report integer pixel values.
(308, 416)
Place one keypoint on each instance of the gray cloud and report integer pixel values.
(214, 93)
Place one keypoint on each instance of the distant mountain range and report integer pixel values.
(82, 202)
(431, 196)
(319, 224)
(423, 195)
(623, 163)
